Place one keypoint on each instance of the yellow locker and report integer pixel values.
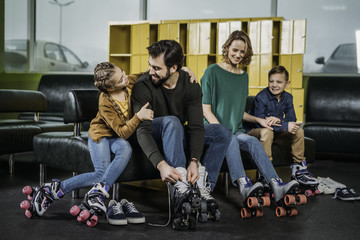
(134, 64)
(298, 96)
(299, 36)
(265, 67)
(253, 71)
(192, 63)
(193, 38)
(169, 31)
(122, 62)
(266, 36)
(144, 63)
(254, 91)
(286, 37)
(224, 29)
(294, 64)
(144, 38)
(254, 35)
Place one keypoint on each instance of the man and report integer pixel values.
(178, 123)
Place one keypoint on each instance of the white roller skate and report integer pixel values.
(308, 183)
(92, 205)
(40, 198)
(286, 196)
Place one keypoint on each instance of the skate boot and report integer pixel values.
(252, 198)
(267, 190)
(209, 206)
(92, 205)
(186, 201)
(308, 183)
(286, 196)
(40, 198)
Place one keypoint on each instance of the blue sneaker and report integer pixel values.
(115, 214)
(132, 214)
(344, 194)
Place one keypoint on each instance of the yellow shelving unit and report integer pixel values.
(275, 41)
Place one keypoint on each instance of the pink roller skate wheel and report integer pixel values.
(25, 205)
(28, 214)
(29, 197)
(84, 215)
(75, 210)
(92, 221)
(27, 190)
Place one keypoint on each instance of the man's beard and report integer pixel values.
(161, 79)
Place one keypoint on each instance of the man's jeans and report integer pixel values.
(106, 171)
(243, 142)
(168, 134)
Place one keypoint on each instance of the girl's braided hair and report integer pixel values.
(103, 80)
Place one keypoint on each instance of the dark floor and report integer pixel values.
(321, 218)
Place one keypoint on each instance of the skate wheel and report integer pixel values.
(29, 197)
(28, 214)
(75, 210)
(266, 201)
(84, 215)
(186, 208)
(302, 199)
(308, 193)
(252, 202)
(293, 212)
(203, 217)
(317, 191)
(245, 213)
(217, 216)
(289, 199)
(92, 221)
(176, 224)
(267, 194)
(203, 207)
(27, 190)
(280, 212)
(25, 205)
(259, 212)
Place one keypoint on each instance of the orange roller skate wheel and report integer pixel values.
(252, 202)
(289, 199)
(259, 212)
(266, 201)
(280, 212)
(245, 213)
(302, 199)
(293, 211)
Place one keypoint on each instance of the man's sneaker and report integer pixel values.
(132, 214)
(356, 196)
(115, 214)
(344, 194)
(325, 189)
(331, 183)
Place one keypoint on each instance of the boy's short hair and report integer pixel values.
(279, 69)
(172, 50)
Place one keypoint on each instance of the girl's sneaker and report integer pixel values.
(115, 214)
(331, 183)
(344, 194)
(325, 189)
(356, 196)
(131, 213)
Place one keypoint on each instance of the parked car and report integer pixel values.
(342, 60)
(49, 56)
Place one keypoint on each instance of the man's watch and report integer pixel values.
(195, 161)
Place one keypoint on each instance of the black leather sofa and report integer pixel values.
(69, 150)
(333, 114)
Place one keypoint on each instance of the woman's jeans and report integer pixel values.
(243, 142)
(106, 171)
(168, 134)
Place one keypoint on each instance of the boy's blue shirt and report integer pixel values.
(267, 105)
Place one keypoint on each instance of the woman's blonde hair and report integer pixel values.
(242, 36)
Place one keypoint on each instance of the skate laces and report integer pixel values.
(130, 207)
(117, 209)
(205, 191)
(280, 182)
(182, 186)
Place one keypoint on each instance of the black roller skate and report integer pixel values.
(40, 198)
(308, 183)
(209, 207)
(287, 196)
(92, 205)
(252, 198)
(186, 203)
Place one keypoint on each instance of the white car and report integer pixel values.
(49, 56)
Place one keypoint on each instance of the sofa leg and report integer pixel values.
(11, 163)
(226, 184)
(116, 187)
(75, 193)
(42, 173)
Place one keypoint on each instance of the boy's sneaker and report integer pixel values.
(344, 194)
(132, 214)
(356, 196)
(331, 183)
(115, 214)
(325, 189)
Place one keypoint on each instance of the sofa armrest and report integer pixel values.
(13, 100)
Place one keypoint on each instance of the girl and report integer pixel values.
(108, 132)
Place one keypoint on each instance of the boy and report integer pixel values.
(276, 106)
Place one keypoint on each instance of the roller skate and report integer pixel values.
(186, 202)
(308, 183)
(92, 205)
(287, 196)
(209, 206)
(40, 198)
(252, 198)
